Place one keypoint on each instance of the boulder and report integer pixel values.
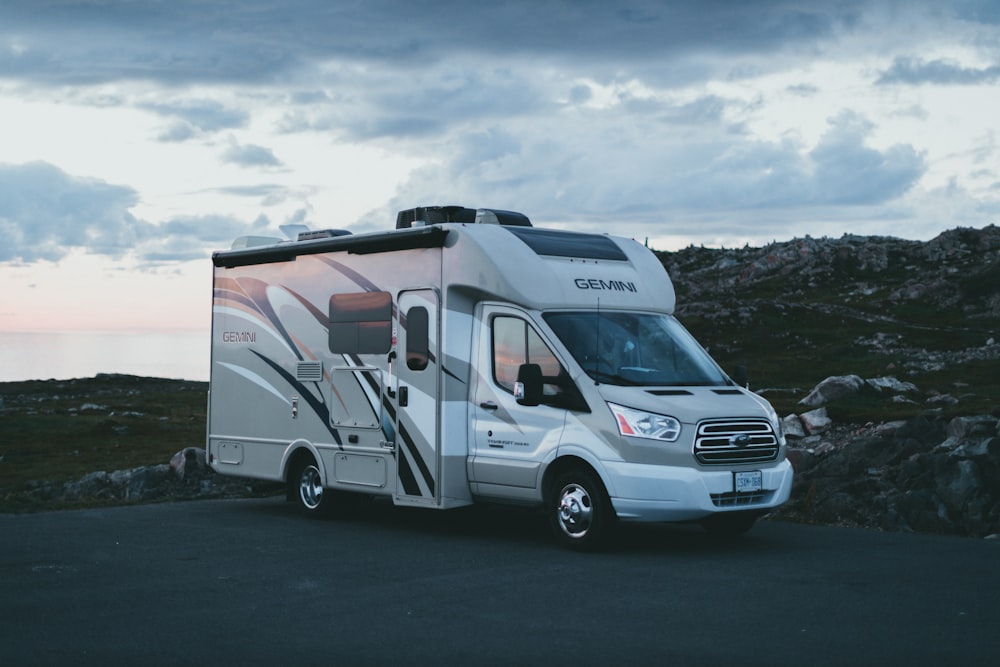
(975, 426)
(91, 485)
(961, 484)
(888, 429)
(833, 388)
(190, 460)
(982, 450)
(890, 384)
(144, 482)
(791, 426)
(816, 421)
(926, 432)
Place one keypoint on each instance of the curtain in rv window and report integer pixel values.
(361, 323)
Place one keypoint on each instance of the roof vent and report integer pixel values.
(432, 215)
(242, 242)
(322, 234)
(493, 216)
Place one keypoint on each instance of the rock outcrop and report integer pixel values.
(924, 474)
(186, 477)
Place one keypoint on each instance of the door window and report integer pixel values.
(417, 338)
(516, 343)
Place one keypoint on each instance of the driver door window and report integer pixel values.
(516, 343)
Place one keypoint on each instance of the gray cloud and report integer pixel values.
(189, 41)
(567, 109)
(177, 132)
(847, 172)
(249, 155)
(269, 194)
(916, 71)
(726, 177)
(45, 213)
(421, 110)
(195, 116)
(190, 238)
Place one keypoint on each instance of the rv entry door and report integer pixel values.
(416, 397)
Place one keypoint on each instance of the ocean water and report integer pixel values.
(67, 355)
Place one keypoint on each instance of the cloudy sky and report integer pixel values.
(136, 136)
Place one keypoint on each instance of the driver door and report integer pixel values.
(511, 440)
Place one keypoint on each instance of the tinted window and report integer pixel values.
(508, 350)
(568, 244)
(516, 343)
(360, 323)
(417, 338)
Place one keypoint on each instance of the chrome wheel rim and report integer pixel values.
(310, 487)
(575, 511)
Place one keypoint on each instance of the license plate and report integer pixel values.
(748, 482)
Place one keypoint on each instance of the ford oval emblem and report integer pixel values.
(740, 440)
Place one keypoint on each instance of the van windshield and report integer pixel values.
(634, 349)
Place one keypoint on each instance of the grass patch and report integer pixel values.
(792, 346)
(59, 431)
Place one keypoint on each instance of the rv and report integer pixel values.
(467, 356)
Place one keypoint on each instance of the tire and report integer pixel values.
(730, 524)
(306, 486)
(579, 510)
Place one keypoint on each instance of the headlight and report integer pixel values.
(639, 424)
(779, 428)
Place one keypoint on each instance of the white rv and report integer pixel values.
(468, 356)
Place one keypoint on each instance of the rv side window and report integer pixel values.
(516, 343)
(361, 323)
(417, 339)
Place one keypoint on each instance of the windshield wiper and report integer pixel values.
(610, 378)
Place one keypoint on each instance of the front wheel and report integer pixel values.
(579, 511)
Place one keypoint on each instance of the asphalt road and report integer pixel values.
(249, 582)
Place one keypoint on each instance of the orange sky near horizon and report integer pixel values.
(92, 293)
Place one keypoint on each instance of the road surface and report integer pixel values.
(250, 582)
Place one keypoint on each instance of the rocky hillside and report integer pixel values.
(883, 357)
(882, 304)
(960, 269)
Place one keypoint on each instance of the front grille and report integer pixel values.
(734, 442)
(733, 499)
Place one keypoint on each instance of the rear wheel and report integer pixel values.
(307, 486)
(579, 511)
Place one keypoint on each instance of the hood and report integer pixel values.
(691, 404)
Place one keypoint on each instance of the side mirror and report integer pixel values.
(528, 388)
(740, 376)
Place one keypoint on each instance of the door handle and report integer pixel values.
(488, 405)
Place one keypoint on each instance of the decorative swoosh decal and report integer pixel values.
(318, 407)
(250, 295)
(256, 379)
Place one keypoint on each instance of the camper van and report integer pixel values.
(467, 356)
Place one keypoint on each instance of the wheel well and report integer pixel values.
(561, 465)
(298, 458)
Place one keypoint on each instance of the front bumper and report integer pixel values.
(648, 493)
